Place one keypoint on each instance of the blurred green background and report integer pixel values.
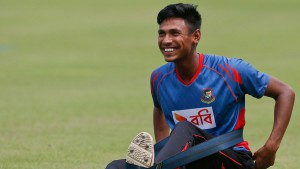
(74, 75)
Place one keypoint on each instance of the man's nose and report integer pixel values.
(167, 39)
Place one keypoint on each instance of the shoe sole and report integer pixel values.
(141, 151)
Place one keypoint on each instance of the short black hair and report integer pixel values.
(188, 12)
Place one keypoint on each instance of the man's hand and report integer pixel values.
(264, 157)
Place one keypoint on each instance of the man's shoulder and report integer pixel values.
(164, 69)
(212, 60)
(160, 73)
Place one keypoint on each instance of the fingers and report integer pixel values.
(262, 164)
(264, 158)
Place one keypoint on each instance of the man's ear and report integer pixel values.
(197, 36)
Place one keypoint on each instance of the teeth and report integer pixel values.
(169, 49)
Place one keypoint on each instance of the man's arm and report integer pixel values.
(161, 128)
(284, 101)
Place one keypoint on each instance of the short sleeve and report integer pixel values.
(251, 81)
(153, 83)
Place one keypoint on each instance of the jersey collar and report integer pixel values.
(201, 58)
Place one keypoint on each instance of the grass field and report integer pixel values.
(74, 75)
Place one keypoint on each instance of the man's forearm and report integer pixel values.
(161, 128)
(282, 114)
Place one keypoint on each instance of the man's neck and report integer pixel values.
(188, 67)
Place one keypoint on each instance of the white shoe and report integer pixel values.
(141, 150)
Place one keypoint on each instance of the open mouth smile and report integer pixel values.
(169, 49)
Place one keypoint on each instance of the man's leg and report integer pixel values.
(181, 137)
(186, 135)
(226, 159)
(117, 164)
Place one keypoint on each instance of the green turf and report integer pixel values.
(74, 75)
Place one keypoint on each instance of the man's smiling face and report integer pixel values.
(175, 40)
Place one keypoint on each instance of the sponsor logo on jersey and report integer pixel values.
(207, 96)
(203, 118)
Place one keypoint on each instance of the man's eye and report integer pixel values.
(175, 33)
(161, 34)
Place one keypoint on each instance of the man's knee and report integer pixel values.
(188, 127)
(117, 164)
(184, 126)
(184, 123)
